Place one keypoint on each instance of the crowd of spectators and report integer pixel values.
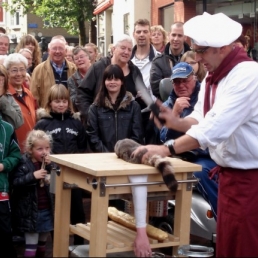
(74, 101)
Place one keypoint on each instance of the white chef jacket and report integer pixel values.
(230, 128)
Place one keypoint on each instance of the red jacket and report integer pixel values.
(28, 107)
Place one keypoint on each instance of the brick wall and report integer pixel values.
(179, 11)
(190, 9)
(183, 10)
(155, 5)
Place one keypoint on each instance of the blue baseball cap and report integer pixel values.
(181, 70)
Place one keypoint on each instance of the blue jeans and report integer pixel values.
(206, 186)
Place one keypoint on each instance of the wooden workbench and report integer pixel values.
(95, 173)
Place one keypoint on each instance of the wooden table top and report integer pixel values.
(108, 164)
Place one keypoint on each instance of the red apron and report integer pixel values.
(237, 225)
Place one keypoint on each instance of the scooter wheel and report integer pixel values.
(166, 227)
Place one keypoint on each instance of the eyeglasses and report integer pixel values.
(177, 81)
(200, 50)
(15, 71)
(79, 57)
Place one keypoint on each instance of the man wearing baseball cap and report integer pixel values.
(225, 119)
(182, 100)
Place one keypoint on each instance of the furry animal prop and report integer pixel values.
(124, 149)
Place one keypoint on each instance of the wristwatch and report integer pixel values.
(170, 145)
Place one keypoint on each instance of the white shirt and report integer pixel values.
(145, 65)
(230, 128)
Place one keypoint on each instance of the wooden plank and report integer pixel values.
(128, 239)
(113, 238)
(84, 231)
(110, 165)
(62, 217)
(80, 230)
(98, 224)
(173, 238)
(130, 231)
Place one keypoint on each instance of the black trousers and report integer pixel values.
(6, 245)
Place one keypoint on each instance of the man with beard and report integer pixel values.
(142, 56)
(162, 65)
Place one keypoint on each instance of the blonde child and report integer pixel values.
(31, 200)
(69, 137)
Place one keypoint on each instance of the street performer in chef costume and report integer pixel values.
(225, 120)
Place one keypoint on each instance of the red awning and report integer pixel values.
(103, 6)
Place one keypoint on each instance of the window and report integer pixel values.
(167, 16)
(15, 18)
(46, 23)
(126, 23)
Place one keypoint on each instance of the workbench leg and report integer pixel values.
(62, 218)
(98, 224)
(182, 216)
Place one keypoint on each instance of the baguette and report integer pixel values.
(129, 222)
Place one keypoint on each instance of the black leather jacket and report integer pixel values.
(68, 133)
(90, 85)
(105, 126)
(162, 67)
(24, 198)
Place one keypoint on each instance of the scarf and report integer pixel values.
(236, 56)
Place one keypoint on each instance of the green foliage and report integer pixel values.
(68, 14)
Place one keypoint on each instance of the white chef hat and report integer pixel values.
(215, 30)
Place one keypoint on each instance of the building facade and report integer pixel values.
(117, 17)
(17, 25)
(114, 17)
(165, 12)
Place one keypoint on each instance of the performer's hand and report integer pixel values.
(141, 244)
(161, 150)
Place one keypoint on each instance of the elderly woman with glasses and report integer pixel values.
(16, 65)
(10, 111)
(81, 59)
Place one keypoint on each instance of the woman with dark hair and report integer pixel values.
(28, 41)
(114, 115)
(9, 108)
